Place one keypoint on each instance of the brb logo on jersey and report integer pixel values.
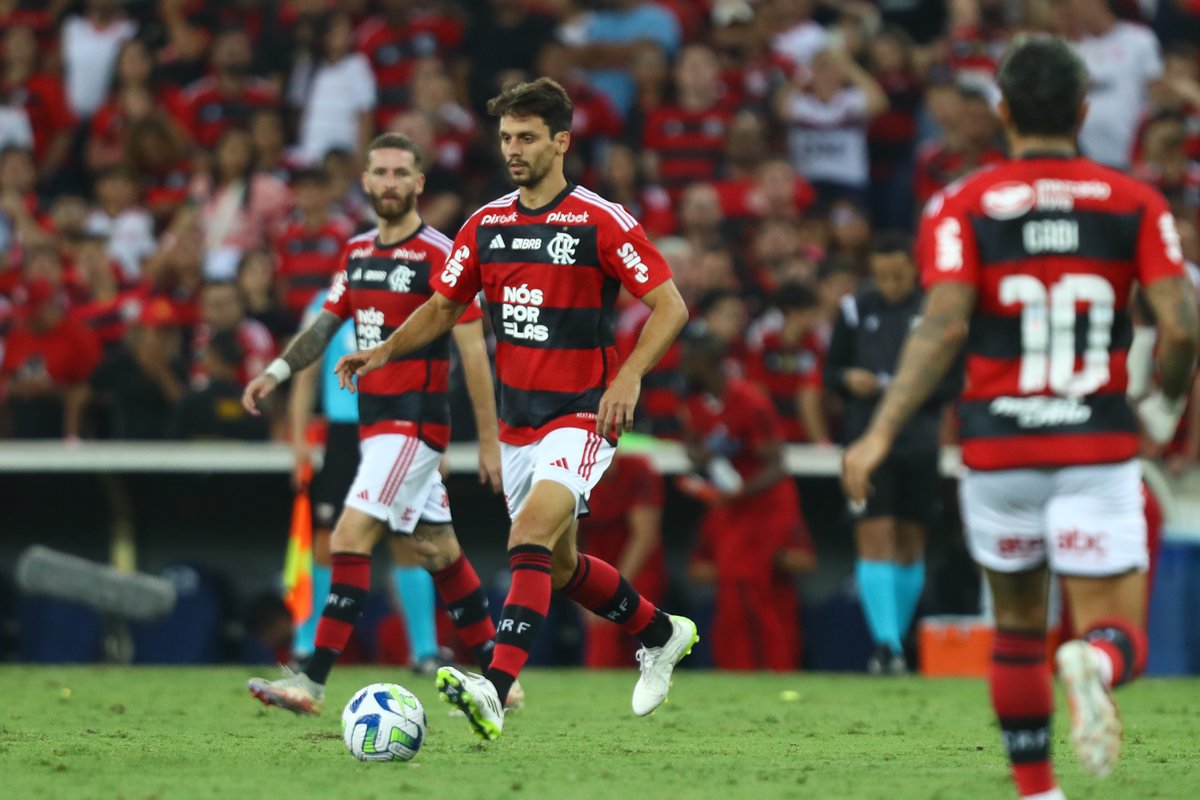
(400, 279)
(562, 248)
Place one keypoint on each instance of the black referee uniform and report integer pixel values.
(869, 334)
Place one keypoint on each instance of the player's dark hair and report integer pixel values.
(1043, 82)
(544, 98)
(316, 176)
(793, 296)
(888, 242)
(396, 141)
(700, 344)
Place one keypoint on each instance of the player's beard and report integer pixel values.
(392, 208)
(534, 173)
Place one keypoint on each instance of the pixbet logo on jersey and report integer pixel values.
(520, 311)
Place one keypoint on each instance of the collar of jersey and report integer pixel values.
(1054, 154)
(381, 246)
(537, 212)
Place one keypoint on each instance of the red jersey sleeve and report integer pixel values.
(946, 249)
(628, 255)
(338, 300)
(459, 279)
(473, 313)
(1160, 254)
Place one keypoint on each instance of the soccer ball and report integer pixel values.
(383, 722)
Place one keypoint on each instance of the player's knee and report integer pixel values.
(355, 533)
(530, 531)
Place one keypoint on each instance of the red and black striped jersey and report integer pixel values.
(785, 370)
(308, 259)
(689, 144)
(551, 277)
(1053, 247)
(379, 287)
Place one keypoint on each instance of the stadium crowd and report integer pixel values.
(178, 177)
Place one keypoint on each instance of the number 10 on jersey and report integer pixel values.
(1048, 345)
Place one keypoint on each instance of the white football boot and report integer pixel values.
(295, 691)
(657, 663)
(476, 697)
(1095, 726)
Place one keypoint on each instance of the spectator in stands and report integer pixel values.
(610, 39)
(350, 202)
(143, 377)
(34, 114)
(256, 285)
(271, 156)
(222, 311)
(156, 157)
(215, 411)
(1123, 59)
(454, 127)
(892, 136)
(751, 73)
(683, 140)
(753, 538)
(700, 219)
(721, 314)
(310, 247)
(1177, 91)
(850, 233)
(1164, 162)
(786, 361)
(128, 228)
(624, 528)
(176, 269)
(229, 96)
(395, 40)
(90, 44)
(241, 208)
(970, 141)
(797, 37)
(103, 304)
(890, 529)
(441, 202)
(48, 357)
(827, 111)
(623, 183)
(18, 211)
(502, 42)
(334, 90)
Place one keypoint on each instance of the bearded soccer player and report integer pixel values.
(1031, 263)
(404, 422)
(551, 259)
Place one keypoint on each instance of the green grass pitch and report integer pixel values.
(161, 734)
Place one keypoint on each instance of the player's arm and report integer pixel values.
(477, 370)
(928, 355)
(810, 402)
(433, 318)
(1173, 300)
(304, 349)
(668, 315)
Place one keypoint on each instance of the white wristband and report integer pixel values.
(279, 370)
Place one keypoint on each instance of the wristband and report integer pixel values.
(279, 370)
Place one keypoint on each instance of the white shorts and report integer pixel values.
(574, 457)
(398, 482)
(1087, 521)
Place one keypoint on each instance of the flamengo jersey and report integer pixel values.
(379, 287)
(551, 278)
(1053, 246)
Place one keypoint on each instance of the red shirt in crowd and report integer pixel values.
(45, 103)
(689, 144)
(258, 348)
(784, 371)
(938, 165)
(66, 353)
(308, 258)
(394, 51)
(207, 111)
(629, 482)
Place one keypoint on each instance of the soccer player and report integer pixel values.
(889, 531)
(551, 259)
(403, 425)
(1031, 264)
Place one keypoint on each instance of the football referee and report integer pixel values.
(890, 531)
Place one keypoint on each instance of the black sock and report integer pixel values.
(658, 631)
(344, 606)
(523, 614)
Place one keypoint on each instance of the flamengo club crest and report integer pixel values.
(400, 279)
(562, 248)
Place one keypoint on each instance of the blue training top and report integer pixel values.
(339, 404)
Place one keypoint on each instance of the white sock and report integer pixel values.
(1054, 794)
(1106, 666)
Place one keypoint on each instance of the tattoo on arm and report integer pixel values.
(928, 354)
(1174, 304)
(310, 343)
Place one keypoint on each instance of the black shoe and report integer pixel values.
(897, 664)
(878, 663)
